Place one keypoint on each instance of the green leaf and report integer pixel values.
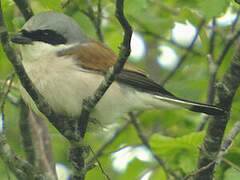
(231, 174)
(181, 151)
(52, 4)
(189, 14)
(159, 174)
(204, 40)
(213, 8)
(234, 155)
(135, 7)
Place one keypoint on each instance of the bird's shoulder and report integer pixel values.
(95, 55)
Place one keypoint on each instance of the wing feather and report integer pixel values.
(96, 56)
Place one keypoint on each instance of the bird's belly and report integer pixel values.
(64, 87)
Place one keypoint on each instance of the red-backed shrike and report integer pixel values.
(67, 66)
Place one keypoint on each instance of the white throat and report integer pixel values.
(38, 49)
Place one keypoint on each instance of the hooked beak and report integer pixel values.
(21, 39)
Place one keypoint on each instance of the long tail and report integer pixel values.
(193, 106)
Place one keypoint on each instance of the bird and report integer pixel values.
(66, 66)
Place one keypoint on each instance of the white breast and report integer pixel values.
(64, 85)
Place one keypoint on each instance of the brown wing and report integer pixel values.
(141, 82)
(96, 56)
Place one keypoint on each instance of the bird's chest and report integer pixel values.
(61, 84)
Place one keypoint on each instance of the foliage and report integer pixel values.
(172, 133)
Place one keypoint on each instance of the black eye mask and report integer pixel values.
(47, 36)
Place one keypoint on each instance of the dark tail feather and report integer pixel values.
(208, 109)
(193, 106)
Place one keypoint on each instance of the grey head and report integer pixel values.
(50, 27)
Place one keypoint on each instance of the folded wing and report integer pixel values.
(96, 57)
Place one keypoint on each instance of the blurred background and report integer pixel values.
(170, 44)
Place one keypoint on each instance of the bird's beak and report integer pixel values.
(21, 39)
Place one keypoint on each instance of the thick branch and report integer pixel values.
(214, 67)
(91, 102)
(226, 90)
(21, 168)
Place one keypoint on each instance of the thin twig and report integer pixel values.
(235, 21)
(109, 142)
(226, 90)
(224, 149)
(19, 166)
(99, 21)
(42, 145)
(26, 133)
(145, 142)
(25, 8)
(100, 165)
(14, 86)
(95, 19)
(64, 128)
(91, 102)
(227, 142)
(185, 54)
(231, 164)
(199, 170)
(213, 69)
(64, 5)
(212, 38)
(148, 32)
(227, 47)
(76, 151)
(4, 98)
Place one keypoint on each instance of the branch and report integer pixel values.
(108, 142)
(199, 170)
(145, 142)
(63, 124)
(21, 168)
(77, 150)
(227, 142)
(100, 166)
(235, 21)
(25, 8)
(26, 133)
(213, 69)
(232, 164)
(148, 32)
(227, 47)
(42, 145)
(5, 94)
(185, 54)
(91, 102)
(226, 90)
(95, 19)
(64, 128)
(224, 149)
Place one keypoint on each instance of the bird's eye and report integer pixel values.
(47, 36)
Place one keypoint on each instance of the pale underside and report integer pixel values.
(64, 85)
